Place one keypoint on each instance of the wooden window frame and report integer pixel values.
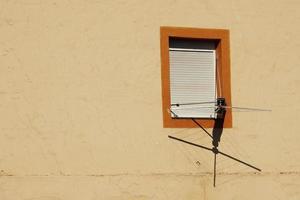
(221, 36)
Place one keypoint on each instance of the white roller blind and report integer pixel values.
(193, 81)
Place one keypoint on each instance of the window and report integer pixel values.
(195, 72)
(192, 68)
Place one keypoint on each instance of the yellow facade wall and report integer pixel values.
(80, 101)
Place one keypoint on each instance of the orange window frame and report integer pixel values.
(221, 37)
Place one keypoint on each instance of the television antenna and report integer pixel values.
(220, 110)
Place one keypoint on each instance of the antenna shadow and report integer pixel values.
(218, 130)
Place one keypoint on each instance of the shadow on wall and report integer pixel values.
(216, 138)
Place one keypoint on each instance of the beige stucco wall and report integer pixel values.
(80, 101)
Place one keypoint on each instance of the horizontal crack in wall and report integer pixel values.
(154, 174)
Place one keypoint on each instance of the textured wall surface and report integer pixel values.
(80, 101)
